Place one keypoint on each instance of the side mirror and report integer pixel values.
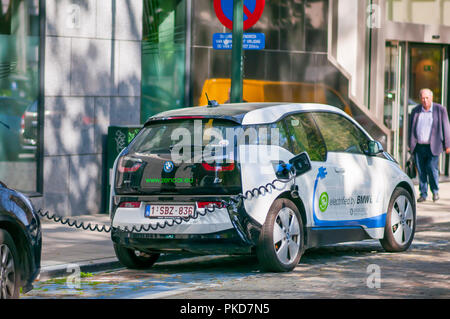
(301, 163)
(375, 148)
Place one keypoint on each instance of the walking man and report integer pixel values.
(429, 136)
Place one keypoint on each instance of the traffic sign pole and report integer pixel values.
(237, 63)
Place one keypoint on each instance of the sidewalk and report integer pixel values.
(63, 245)
(93, 251)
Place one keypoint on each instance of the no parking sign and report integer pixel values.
(253, 10)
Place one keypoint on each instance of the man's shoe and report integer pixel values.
(421, 199)
(435, 197)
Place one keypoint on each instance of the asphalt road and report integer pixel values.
(352, 270)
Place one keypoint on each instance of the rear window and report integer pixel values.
(165, 135)
(182, 156)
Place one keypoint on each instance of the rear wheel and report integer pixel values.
(400, 222)
(134, 259)
(281, 240)
(9, 265)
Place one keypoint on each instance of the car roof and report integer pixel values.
(245, 113)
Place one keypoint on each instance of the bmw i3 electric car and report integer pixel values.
(231, 179)
(20, 243)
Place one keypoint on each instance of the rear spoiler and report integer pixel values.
(236, 119)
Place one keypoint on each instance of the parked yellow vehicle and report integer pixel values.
(273, 91)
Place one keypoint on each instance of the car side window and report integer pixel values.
(275, 135)
(305, 136)
(340, 134)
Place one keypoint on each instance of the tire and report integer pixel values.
(280, 245)
(134, 259)
(9, 267)
(400, 222)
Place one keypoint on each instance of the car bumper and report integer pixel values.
(225, 231)
(224, 242)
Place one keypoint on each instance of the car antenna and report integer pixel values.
(211, 103)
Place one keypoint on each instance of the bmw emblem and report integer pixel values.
(168, 166)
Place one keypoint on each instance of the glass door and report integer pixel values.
(394, 97)
(428, 70)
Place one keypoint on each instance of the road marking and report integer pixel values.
(158, 295)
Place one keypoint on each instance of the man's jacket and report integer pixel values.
(440, 131)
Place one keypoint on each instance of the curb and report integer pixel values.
(104, 264)
(63, 270)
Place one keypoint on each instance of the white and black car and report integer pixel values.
(271, 179)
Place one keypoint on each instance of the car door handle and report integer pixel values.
(339, 170)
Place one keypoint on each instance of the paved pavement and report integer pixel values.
(63, 246)
(93, 251)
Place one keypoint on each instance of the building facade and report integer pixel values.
(69, 69)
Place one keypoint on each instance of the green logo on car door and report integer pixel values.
(323, 202)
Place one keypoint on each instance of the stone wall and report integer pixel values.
(92, 81)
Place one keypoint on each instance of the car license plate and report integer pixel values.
(169, 211)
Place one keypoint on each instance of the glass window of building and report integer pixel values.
(163, 56)
(419, 11)
(426, 71)
(290, 68)
(180, 64)
(19, 93)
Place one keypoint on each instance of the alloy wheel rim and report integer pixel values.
(7, 273)
(402, 220)
(286, 235)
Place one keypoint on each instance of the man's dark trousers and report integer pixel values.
(427, 168)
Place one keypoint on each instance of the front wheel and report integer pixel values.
(9, 265)
(281, 240)
(400, 222)
(134, 259)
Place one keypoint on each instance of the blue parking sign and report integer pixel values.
(251, 41)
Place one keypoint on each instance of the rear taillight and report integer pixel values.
(218, 167)
(210, 204)
(130, 204)
(127, 165)
(131, 169)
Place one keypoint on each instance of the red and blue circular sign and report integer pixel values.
(253, 10)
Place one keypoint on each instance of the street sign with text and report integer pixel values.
(251, 41)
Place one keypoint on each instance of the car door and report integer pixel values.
(358, 202)
(323, 181)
